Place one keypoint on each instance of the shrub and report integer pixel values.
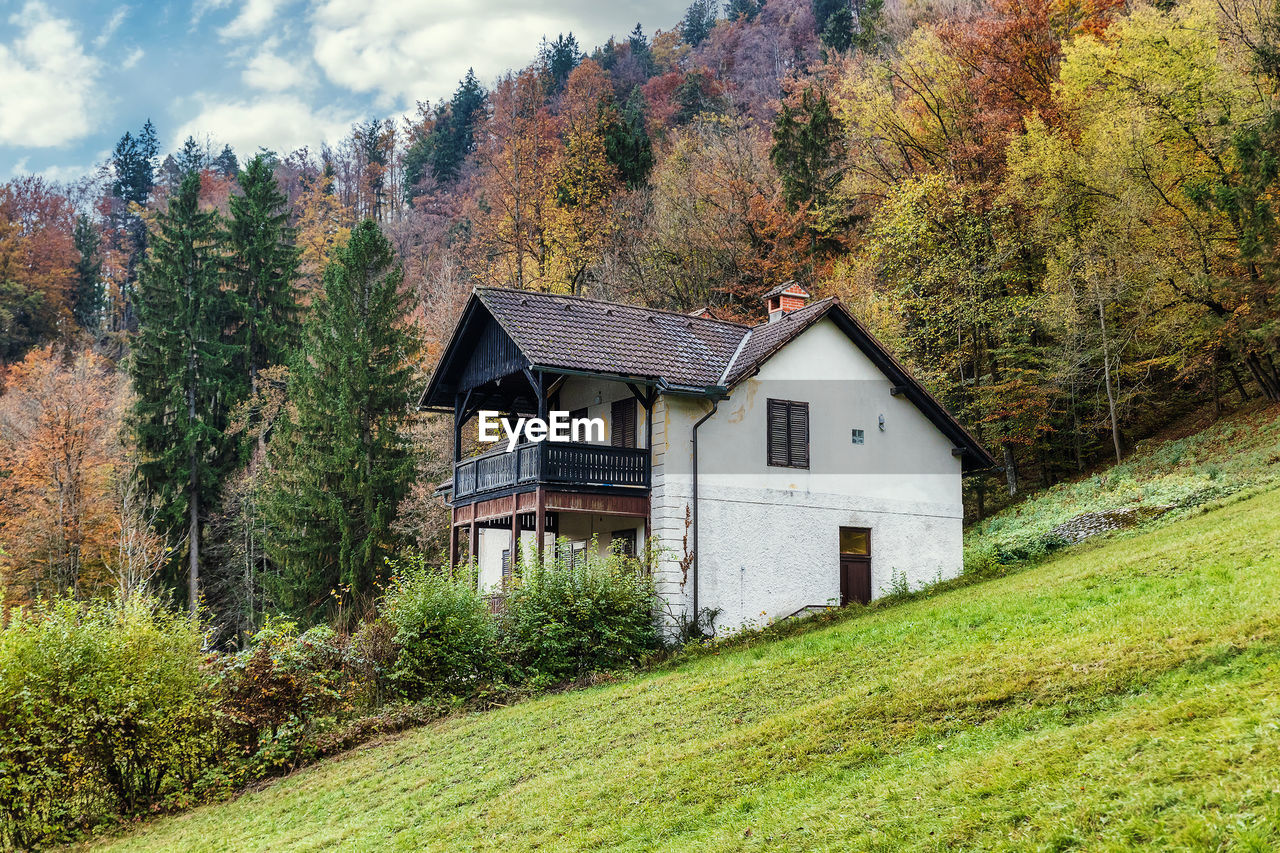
(564, 620)
(276, 694)
(442, 631)
(102, 710)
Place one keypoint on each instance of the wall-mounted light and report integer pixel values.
(597, 397)
(882, 423)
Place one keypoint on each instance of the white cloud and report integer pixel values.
(271, 72)
(134, 57)
(113, 24)
(254, 17)
(47, 82)
(278, 122)
(412, 50)
(200, 8)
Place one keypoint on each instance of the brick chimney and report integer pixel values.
(784, 299)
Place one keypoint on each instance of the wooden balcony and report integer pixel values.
(563, 466)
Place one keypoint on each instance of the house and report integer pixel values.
(781, 467)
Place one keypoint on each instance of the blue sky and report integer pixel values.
(74, 76)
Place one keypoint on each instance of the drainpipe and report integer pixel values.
(715, 404)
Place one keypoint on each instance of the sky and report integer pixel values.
(74, 76)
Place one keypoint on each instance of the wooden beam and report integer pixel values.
(540, 521)
(453, 540)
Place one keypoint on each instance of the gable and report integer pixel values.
(842, 349)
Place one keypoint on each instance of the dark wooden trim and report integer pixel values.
(540, 521)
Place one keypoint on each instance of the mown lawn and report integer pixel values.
(1124, 694)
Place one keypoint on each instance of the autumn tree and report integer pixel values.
(60, 457)
(38, 260)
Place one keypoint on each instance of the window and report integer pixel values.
(622, 430)
(624, 542)
(855, 541)
(571, 554)
(788, 434)
(859, 437)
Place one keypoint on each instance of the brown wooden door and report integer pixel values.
(855, 565)
(855, 579)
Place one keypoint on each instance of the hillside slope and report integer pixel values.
(1123, 693)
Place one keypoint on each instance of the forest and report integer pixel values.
(1059, 213)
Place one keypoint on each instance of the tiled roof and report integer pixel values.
(584, 334)
(767, 338)
(696, 353)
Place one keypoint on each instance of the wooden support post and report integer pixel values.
(453, 541)
(540, 521)
(514, 559)
(473, 542)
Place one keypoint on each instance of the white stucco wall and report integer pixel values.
(769, 537)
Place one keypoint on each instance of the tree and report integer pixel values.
(89, 297)
(742, 10)
(226, 163)
(192, 157)
(640, 51)
(626, 140)
(184, 371)
(698, 21)
(37, 264)
(341, 459)
(59, 421)
(261, 269)
(442, 145)
(558, 59)
(807, 149)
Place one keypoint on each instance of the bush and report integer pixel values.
(102, 711)
(274, 696)
(442, 631)
(564, 620)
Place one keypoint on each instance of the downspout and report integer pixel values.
(715, 404)
(716, 393)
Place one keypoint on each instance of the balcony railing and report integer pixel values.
(552, 463)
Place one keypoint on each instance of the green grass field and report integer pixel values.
(1125, 693)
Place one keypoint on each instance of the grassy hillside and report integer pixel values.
(1123, 693)
(1176, 473)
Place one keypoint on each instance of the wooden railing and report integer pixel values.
(552, 463)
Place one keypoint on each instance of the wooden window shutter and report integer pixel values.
(777, 454)
(623, 430)
(798, 435)
(788, 438)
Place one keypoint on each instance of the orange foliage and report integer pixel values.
(59, 452)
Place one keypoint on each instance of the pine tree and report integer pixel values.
(183, 372)
(89, 297)
(342, 460)
(742, 9)
(261, 268)
(698, 22)
(806, 149)
(226, 163)
(558, 59)
(192, 157)
(627, 141)
(443, 149)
